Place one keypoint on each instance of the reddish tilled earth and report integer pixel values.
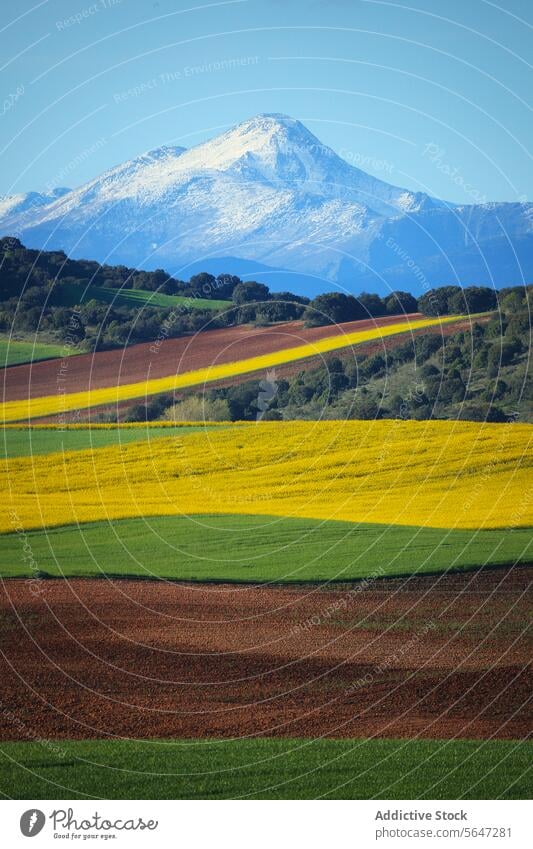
(172, 356)
(429, 657)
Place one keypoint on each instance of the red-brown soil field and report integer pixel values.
(426, 657)
(283, 371)
(173, 356)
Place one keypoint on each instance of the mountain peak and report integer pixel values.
(267, 120)
(265, 191)
(270, 147)
(274, 125)
(277, 116)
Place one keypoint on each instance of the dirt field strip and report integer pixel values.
(422, 657)
(366, 349)
(62, 402)
(171, 356)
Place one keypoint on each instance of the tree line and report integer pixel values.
(33, 286)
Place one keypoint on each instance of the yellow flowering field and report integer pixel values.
(30, 408)
(436, 474)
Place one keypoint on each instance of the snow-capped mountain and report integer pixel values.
(268, 194)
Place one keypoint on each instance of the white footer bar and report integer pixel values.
(267, 825)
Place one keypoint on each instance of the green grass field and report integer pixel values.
(24, 441)
(14, 352)
(266, 769)
(74, 293)
(256, 549)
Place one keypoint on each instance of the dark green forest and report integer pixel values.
(36, 297)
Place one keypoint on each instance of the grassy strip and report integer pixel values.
(25, 442)
(49, 405)
(267, 769)
(255, 549)
(13, 352)
(73, 294)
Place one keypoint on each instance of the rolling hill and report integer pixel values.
(73, 294)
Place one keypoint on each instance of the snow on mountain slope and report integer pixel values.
(281, 152)
(138, 180)
(266, 191)
(16, 204)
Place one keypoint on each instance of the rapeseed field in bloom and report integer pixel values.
(435, 474)
(30, 408)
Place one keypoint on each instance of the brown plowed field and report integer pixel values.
(434, 658)
(173, 356)
(284, 371)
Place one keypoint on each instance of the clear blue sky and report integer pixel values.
(86, 85)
